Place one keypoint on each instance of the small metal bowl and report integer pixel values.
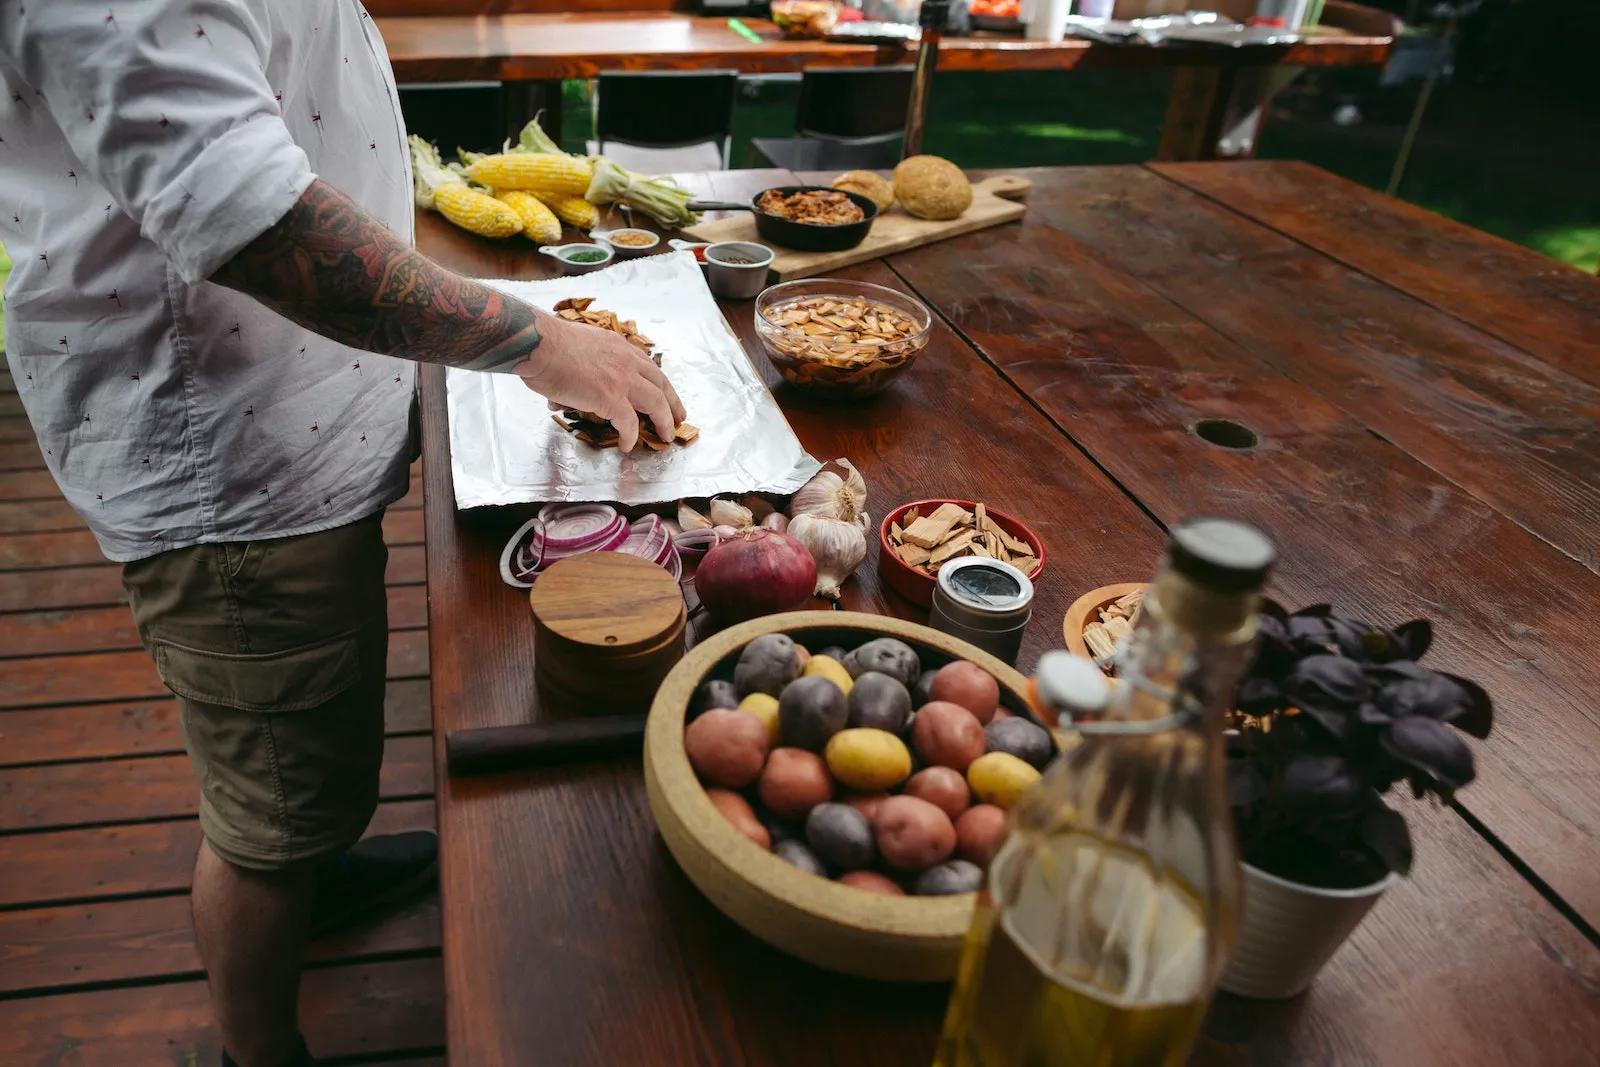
(732, 279)
(628, 251)
(562, 254)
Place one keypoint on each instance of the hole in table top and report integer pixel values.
(1227, 433)
(611, 639)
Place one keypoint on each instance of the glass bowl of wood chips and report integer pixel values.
(843, 338)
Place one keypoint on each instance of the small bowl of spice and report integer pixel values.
(579, 258)
(630, 242)
(843, 338)
(737, 270)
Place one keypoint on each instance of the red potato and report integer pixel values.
(726, 747)
(872, 882)
(947, 735)
(793, 782)
(942, 787)
(866, 803)
(802, 654)
(743, 817)
(1000, 713)
(968, 685)
(979, 832)
(913, 835)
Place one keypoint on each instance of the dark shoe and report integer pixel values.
(299, 1059)
(377, 873)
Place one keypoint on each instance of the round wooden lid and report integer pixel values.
(605, 604)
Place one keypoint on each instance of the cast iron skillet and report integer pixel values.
(802, 236)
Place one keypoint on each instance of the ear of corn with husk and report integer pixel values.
(539, 223)
(534, 172)
(572, 210)
(440, 189)
(664, 201)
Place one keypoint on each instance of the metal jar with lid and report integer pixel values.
(983, 601)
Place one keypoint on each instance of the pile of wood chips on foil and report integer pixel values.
(586, 425)
(927, 542)
(1116, 621)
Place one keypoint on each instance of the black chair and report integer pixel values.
(847, 118)
(664, 110)
(471, 115)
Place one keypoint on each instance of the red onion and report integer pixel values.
(776, 521)
(695, 542)
(757, 573)
(519, 562)
(648, 539)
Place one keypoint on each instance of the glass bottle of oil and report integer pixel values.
(1108, 913)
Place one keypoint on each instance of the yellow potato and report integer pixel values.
(765, 708)
(868, 760)
(831, 669)
(1000, 778)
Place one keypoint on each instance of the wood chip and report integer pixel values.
(1099, 640)
(927, 542)
(589, 427)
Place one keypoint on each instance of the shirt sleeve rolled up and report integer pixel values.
(164, 103)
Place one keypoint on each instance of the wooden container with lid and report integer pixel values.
(607, 628)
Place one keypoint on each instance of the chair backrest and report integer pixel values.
(853, 103)
(664, 109)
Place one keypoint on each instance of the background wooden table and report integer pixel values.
(531, 47)
(1424, 398)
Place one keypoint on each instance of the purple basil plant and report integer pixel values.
(1332, 714)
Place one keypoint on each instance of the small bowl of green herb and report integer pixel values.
(580, 258)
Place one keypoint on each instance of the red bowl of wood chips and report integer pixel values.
(910, 550)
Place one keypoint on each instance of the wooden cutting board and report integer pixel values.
(994, 200)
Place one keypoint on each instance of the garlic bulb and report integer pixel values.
(728, 513)
(830, 495)
(690, 519)
(837, 545)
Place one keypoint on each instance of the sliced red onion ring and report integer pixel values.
(519, 562)
(578, 527)
(695, 543)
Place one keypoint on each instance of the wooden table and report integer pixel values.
(1425, 398)
(1209, 99)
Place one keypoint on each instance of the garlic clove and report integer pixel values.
(728, 513)
(690, 519)
(837, 546)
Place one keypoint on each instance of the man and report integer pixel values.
(209, 207)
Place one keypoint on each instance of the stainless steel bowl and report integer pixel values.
(737, 270)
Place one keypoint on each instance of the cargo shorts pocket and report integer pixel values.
(295, 680)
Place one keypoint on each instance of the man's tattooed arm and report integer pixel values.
(334, 269)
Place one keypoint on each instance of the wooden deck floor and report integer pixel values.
(97, 826)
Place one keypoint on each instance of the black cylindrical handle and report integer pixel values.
(509, 748)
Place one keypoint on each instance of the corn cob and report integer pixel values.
(539, 224)
(572, 210)
(476, 212)
(535, 172)
(440, 189)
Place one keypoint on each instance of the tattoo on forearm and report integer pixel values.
(333, 268)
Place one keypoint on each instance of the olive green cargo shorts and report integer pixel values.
(276, 652)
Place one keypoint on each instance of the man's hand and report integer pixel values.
(590, 369)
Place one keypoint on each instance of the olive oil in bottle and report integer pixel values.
(1110, 910)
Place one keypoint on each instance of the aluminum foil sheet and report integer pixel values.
(505, 448)
(1193, 27)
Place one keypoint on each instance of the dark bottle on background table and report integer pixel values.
(1109, 912)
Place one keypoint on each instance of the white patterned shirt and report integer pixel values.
(142, 144)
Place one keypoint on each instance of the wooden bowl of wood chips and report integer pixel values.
(843, 338)
(1098, 620)
(911, 551)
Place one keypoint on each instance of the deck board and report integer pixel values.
(97, 821)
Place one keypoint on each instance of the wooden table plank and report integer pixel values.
(28, 485)
(1127, 374)
(150, 727)
(157, 787)
(140, 858)
(1543, 307)
(675, 991)
(101, 584)
(91, 676)
(537, 47)
(357, 1010)
(123, 940)
(1514, 431)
